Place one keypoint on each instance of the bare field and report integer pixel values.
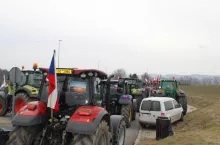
(201, 127)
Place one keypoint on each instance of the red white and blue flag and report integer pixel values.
(52, 93)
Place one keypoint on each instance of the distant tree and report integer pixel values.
(120, 73)
(145, 76)
(134, 76)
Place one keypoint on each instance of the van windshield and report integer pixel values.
(150, 106)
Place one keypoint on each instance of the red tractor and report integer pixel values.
(79, 121)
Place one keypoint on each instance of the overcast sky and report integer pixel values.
(158, 36)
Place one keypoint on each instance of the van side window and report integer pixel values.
(176, 104)
(168, 105)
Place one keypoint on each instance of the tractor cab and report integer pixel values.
(76, 87)
(168, 88)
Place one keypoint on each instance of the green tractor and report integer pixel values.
(138, 92)
(169, 88)
(24, 85)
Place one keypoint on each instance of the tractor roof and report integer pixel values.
(78, 72)
(111, 81)
(168, 80)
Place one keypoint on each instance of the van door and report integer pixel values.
(178, 110)
(169, 108)
(145, 114)
(155, 110)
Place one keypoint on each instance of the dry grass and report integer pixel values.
(201, 127)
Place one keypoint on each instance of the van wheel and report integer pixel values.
(143, 125)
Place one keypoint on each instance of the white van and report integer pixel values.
(154, 107)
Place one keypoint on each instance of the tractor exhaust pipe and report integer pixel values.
(108, 93)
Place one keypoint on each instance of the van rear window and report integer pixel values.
(151, 106)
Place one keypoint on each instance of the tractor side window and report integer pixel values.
(97, 95)
(23, 79)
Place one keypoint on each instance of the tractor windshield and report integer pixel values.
(113, 89)
(71, 91)
(31, 78)
(169, 85)
(34, 79)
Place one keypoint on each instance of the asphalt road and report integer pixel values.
(132, 132)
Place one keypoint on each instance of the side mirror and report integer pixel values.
(97, 89)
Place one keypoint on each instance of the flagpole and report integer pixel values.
(54, 52)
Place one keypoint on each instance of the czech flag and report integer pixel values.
(52, 93)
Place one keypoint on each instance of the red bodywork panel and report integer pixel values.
(86, 119)
(41, 109)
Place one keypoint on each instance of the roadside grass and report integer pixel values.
(201, 127)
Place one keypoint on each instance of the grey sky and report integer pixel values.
(161, 36)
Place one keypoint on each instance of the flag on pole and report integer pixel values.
(146, 80)
(174, 78)
(118, 78)
(52, 93)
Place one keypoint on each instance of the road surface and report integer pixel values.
(131, 133)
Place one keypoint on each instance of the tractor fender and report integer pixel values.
(26, 117)
(25, 90)
(115, 122)
(160, 94)
(181, 94)
(125, 99)
(87, 124)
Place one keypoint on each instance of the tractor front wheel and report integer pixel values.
(21, 135)
(99, 137)
(21, 99)
(139, 99)
(3, 107)
(183, 102)
(126, 111)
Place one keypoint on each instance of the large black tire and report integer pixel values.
(102, 130)
(21, 135)
(183, 101)
(22, 97)
(126, 111)
(139, 99)
(119, 134)
(3, 107)
(134, 109)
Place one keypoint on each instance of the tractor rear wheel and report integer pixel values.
(139, 99)
(3, 107)
(21, 99)
(100, 136)
(134, 109)
(126, 111)
(183, 102)
(21, 135)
